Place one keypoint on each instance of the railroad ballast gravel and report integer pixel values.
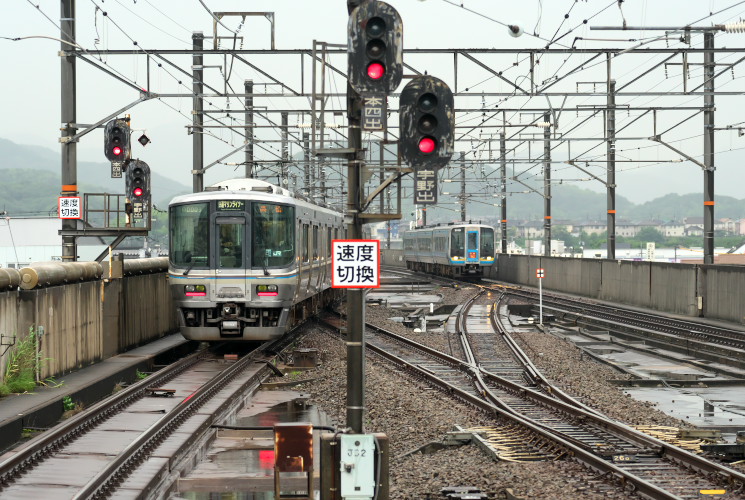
(413, 414)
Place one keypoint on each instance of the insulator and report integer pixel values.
(738, 27)
(543, 125)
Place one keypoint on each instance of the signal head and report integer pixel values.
(426, 114)
(374, 48)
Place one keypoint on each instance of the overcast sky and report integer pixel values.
(30, 100)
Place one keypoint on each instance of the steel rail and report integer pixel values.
(590, 459)
(136, 452)
(690, 461)
(48, 442)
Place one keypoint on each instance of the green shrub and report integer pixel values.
(23, 363)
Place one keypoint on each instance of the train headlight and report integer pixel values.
(267, 290)
(195, 290)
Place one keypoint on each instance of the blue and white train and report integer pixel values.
(454, 250)
(248, 260)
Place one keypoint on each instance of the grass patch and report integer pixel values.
(24, 362)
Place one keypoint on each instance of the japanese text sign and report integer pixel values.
(355, 264)
(69, 207)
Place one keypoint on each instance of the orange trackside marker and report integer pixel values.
(69, 187)
(611, 211)
(708, 203)
(547, 217)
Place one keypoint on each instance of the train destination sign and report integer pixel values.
(355, 263)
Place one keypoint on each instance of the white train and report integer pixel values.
(248, 260)
(454, 250)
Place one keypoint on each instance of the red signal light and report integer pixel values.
(137, 192)
(375, 71)
(117, 150)
(427, 145)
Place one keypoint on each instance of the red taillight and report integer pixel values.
(375, 71)
(266, 294)
(196, 294)
(427, 145)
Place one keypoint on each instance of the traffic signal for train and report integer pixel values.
(138, 181)
(375, 48)
(116, 140)
(427, 122)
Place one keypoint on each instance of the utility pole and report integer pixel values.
(503, 172)
(709, 167)
(547, 185)
(611, 173)
(463, 186)
(249, 89)
(68, 115)
(197, 41)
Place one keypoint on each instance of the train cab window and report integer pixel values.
(487, 242)
(457, 242)
(230, 244)
(305, 243)
(272, 235)
(473, 240)
(189, 235)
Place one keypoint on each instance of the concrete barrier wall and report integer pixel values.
(393, 258)
(88, 321)
(722, 289)
(667, 287)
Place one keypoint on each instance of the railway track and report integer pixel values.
(712, 343)
(138, 439)
(543, 422)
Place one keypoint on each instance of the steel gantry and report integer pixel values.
(505, 96)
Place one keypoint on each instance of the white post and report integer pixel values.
(540, 301)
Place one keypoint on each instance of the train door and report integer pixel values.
(230, 251)
(472, 246)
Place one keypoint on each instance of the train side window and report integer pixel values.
(457, 242)
(316, 251)
(328, 242)
(305, 243)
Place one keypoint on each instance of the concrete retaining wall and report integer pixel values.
(714, 292)
(88, 321)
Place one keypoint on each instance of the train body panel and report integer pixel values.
(455, 250)
(248, 260)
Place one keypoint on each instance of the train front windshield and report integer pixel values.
(190, 235)
(487, 242)
(273, 235)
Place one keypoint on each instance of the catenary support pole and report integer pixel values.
(284, 182)
(463, 186)
(611, 172)
(503, 173)
(197, 41)
(249, 88)
(547, 185)
(69, 174)
(709, 167)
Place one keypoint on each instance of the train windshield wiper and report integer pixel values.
(264, 265)
(191, 266)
